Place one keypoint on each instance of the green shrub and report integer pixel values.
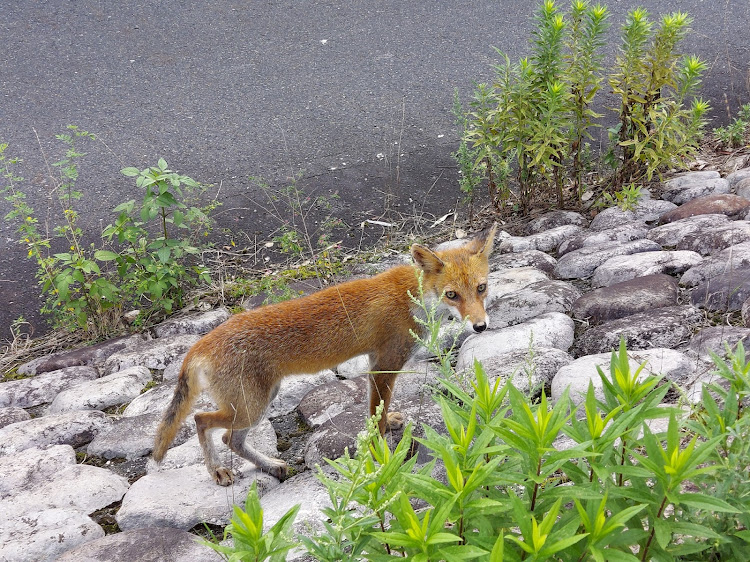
(76, 293)
(154, 265)
(363, 494)
(721, 416)
(625, 198)
(618, 491)
(584, 43)
(483, 160)
(538, 111)
(654, 83)
(737, 132)
(158, 267)
(529, 111)
(250, 541)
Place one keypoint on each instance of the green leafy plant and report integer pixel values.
(157, 267)
(584, 42)
(76, 291)
(538, 111)
(626, 390)
(501, 487)
(78, 285)
(250, 542)
(626, 198)
(469, 176)
(654, 83)
(551, 99)
(530, 118)
(364, 489)
(483, 159)
(155, 262)
(721, 416)
(671, 467)
(737, 132)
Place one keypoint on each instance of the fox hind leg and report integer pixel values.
(209, 420)
(235, 439)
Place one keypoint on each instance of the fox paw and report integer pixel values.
(222, 476)
(395, 420)
(278, 470)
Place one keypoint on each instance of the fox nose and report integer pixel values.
(480, 327)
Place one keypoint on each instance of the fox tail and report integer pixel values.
(184, 397)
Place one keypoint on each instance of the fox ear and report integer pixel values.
(426, 259)
(488, 241)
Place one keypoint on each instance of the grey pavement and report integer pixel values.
(355, 96)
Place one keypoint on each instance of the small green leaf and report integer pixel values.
(163, 254)
(126, 207)
(461, 552)
(89, 266)
(663, 532)
(106, 255)
(694, 530)
(612, 555)
(497, 550)
(166, 200)
(703, 501)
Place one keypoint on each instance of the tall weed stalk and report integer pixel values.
(538, 112)
(654, 82)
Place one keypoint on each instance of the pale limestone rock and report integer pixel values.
(530, 301)
(46, 534)
(581, 263)
(547, 330)
(72, 428)
(662, 327)
(78, 486)
(154, 354)
(624, 268)
(111, 390)
(200, 323)
(143, 545)
(186, 496)
(42, 389)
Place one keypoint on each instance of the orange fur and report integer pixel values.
(244, 360)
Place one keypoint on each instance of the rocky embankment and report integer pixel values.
(671, 277)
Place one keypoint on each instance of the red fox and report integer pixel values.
(244, 360)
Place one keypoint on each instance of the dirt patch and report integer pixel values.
(292, 434)
(209, 532)
(131, 469)
(105, 518)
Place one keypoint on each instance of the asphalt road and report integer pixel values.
(355, 96)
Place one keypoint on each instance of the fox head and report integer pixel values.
(458, 276)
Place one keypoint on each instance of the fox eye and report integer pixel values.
(482, 287)
(451, 294)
